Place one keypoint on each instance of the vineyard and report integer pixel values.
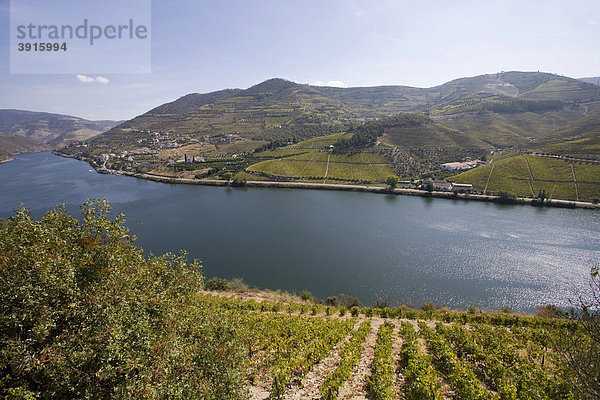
(313, 161)
(302, 350)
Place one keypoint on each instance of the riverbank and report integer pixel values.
(354, 188)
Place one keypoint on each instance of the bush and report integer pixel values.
(306, 295)
(86, 315)
(218, 284)
(382, 302)
(238, 285)
(237, 181)
(332, 301)
(348, 301)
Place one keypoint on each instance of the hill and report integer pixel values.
(87, 314)
(14, 144)
(580, 138)
(46, 130)
(527, 175)
(464, 118)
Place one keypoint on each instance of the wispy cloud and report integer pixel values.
(89, 79)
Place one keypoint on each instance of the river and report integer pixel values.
(402, 248)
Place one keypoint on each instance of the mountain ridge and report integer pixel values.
(24, 131)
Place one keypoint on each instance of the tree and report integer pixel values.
(85, 314)
(392, 181)
(543, 197)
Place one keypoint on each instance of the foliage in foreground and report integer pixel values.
(84, 314)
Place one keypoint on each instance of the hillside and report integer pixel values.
(581, 138)
(14, 144)
(88, 314)
(413, 129)
(51, 130)
(528, 175)
(272, 110)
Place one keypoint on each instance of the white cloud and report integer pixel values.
(328, 83)
(89, 79)
(85, 79)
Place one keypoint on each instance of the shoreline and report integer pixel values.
(353, 188)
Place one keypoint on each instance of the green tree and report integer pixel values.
(85, 314)
(543, 197)
(392, 181)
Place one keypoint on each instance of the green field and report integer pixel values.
(317, 164)
(511, 174)
(298, 162)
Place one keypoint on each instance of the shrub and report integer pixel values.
(306, 295)
(472, 309)
(332, 301)
(238, 285)
(382, 302)
(87, 315)
(219, 284)
(348, 301)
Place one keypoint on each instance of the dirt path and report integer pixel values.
(357, 387)
(313, 157)
(397, 389)
(530, 176)
(312, 382)
(488, 179)
(575, 180)
(327, 169)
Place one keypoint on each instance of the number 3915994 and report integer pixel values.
(42, 46)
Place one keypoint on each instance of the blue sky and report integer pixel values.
(202, 46)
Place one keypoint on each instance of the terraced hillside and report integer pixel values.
(527, 175)
(313, 161)
(308, 351)
(282, 130)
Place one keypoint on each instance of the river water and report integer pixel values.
(402, 248)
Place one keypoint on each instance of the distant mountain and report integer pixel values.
(50, 130)
(14, 144)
